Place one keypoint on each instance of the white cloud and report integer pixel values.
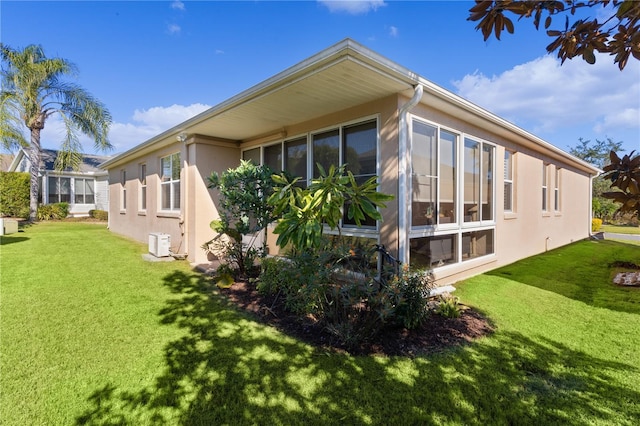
(177, 4)
(545, 96)
(174, 29)
(353, 7)
(144, 125)
(393, 31)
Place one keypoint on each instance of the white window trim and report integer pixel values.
(172, 201)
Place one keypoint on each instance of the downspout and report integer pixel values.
(404, 199)
(184, 222)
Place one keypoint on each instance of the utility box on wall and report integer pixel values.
(159, 244)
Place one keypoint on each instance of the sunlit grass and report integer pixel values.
(92, 334)
(621, 229)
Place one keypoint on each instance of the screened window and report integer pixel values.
(273, 157)
(295, 159)
(477, 244)
(478, 181)
(170, 182)
(424, 175)
(432, 252)
(84, 192)
(143, 187)
(508, 181)
(59, 189)
(326, 151)
(252, 155)
(360, 152)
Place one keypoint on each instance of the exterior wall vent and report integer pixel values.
(159, 244)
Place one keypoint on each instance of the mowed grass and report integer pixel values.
(629, 229)
(92, 334)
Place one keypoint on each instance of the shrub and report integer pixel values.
(14, 194)
(449, 306)
(596, 224)
(99, 214)
(53, 211)
(414, 286)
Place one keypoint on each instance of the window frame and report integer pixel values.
(123, 190)
(76, 192)
(557, 205)
(509, 173)
(545, 188)
(58, 189)
(142, 187)
(171, 182)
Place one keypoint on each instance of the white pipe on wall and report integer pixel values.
(404, 157)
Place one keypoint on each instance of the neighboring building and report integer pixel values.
(472, 190)
(84, 189)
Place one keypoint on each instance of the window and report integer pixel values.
(273, 157)
(123, 189)
(295, 159)
(429, 252)
(170, 182)
(556, 191)
(508, 181)
(84, 191)
(326, 151)
(142, 202)
(252, 155)
(359, 144)
(477, 244)
(478, 181)
(59, 189)
(544, 188)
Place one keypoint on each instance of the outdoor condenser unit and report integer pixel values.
(159, 244)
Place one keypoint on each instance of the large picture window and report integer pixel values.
(84, 191)
(170, 182)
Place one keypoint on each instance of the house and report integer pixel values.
(84, 189)
(472, 190)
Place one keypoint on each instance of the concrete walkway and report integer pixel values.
(630, 237)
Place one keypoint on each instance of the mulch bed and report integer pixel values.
(437, 334)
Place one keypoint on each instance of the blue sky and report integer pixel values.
(157, 63)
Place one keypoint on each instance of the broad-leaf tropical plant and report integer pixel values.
(305, 212)
(624, 174)
(33, 90)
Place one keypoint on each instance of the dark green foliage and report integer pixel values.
(449, 307)
(14, 194)
(99, 214)
(53, 211)
(244, 211)
(337, 286)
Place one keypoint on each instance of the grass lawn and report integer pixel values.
(621, 229)
(92, 334)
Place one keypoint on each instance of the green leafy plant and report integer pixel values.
(414, 286)
(99, 214)
(53, 211)
(449, 306)
(244, 212)
(624, 174)
(305, 212)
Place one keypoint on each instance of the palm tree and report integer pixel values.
(33, 90)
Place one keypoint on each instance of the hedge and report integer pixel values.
(14, 194)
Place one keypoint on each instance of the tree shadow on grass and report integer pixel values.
(229, 369)
(6, 240)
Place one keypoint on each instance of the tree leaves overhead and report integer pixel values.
(618, 34)
(624, 174)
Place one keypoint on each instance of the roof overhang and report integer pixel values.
(345, 75)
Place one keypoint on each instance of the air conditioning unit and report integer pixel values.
(159, 244)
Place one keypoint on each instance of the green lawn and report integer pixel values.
(621, 229)
(92, 334)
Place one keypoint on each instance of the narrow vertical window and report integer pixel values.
(143, 187)
(487, 182)
(170, 182)
(448, 172)
(273, 157)
(556, 191)
(508, 181)
(123, 189)
(471, 180)
(424, 175)
(545, 206)
(359, 153)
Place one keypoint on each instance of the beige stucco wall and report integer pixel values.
(525, 232)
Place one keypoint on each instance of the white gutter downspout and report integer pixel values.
(182, 138)
(404, 199)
